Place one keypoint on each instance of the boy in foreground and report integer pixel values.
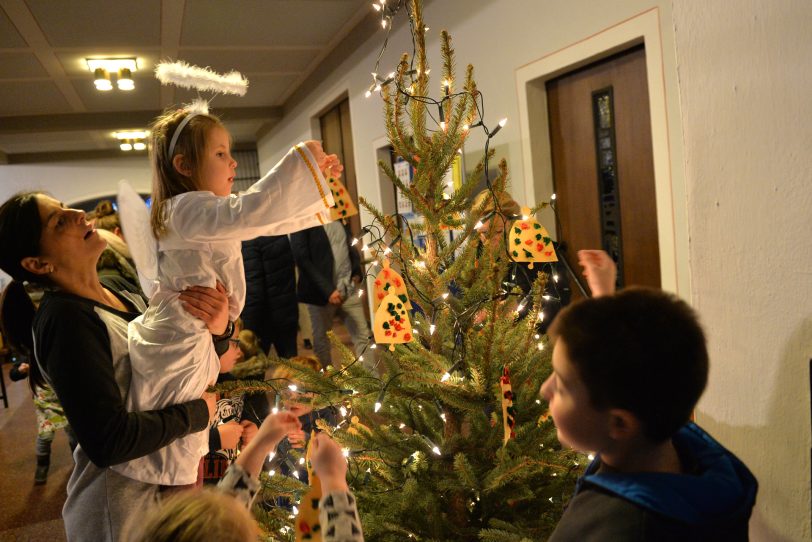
(628, 369)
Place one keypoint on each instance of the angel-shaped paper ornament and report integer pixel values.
(392, 325)
(508, 410)
(388, 282)
(530, 241)
(307, 525)
(344, 207)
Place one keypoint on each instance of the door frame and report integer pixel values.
(671, 203)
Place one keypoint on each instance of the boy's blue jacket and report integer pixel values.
(713, 501)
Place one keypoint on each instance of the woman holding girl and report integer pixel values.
(199, 225)
(79, 342)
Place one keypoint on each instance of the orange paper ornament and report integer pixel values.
(392, 325)
(387, 282)
(530, 241)
(307, 520)
(344, 207)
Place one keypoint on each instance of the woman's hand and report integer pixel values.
(230, 434)
(209, 305)
(328, 463)
(600, 271)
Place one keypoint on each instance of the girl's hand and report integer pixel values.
(331, 167)
(317, 151)
(230, 434)
(600, 271)
(297, 439)
(209, 305)
(274, 429)
(328, 463)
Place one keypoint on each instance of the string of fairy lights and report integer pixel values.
(377, 232)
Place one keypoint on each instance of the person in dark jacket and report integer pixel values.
(628, 369)
(271, 310)
(329, 275)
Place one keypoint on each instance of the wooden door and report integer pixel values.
(603, 172)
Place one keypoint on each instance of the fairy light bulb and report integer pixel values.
(301, 460)
(555, 277)
(383, 23)
(552, 196)
(540, 346)
(296, 474)
(345, 452)
(360, 293)
(591, 457)
(271, 472)
(377, 7)
(293, 387)
(365, 247)
(478, 225)
(373, 346)
(271, 456)
(445, 295)
(402, 425)
(343, 411)
(446, 377)
(436, 450)
(377, 406)
(432, 329)
(354, 241)
(442, 125)
(387, 251)
(541, 316)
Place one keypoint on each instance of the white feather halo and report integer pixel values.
(194, 77)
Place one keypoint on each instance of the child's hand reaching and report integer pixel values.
(329, 463)
(272, 430)
(600, 271)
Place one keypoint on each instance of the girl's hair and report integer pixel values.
(105, 216)
(20, 234)
(193, 516)
(167, 181)
(507, 204)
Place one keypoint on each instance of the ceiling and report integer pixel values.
(50, 109)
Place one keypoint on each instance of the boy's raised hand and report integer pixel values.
(328, 463)
(272, 430)
(600, 271)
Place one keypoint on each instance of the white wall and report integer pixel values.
(75, 181)
(745, 70)
(741, 71)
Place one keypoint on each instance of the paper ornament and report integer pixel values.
(392, 325)
(344, 207)
(307, 524)
(387, 282)
(530, 241)
(508, 410)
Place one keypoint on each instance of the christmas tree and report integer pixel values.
(448, 440)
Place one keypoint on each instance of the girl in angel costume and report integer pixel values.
(192, 237)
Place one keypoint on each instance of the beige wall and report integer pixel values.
(745, 72)
(75, 180)
(737, 78)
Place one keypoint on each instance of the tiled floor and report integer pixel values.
(29, 512)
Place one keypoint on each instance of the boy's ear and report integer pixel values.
(623, 425)
(36, 266)
(180, 165)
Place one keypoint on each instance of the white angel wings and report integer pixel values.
(143, 246)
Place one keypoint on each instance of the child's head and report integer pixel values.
(641, 352)
(189, 151)
(194, 516)
(234, 354)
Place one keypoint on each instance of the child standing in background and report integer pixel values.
(199, 225)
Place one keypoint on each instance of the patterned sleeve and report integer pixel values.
(337, 512)
(238, 483)
(338, 517)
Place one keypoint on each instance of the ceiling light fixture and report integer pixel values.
(103, 67)
(132, 140)
(125, 79)
(102, 80)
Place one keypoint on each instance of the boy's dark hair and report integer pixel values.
(641, 350)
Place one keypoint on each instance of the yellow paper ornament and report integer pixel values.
(392, 325)
(530, 241)
(387, 282)
(307, 520)
(344, 207)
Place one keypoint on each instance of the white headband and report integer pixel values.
(179, 129)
